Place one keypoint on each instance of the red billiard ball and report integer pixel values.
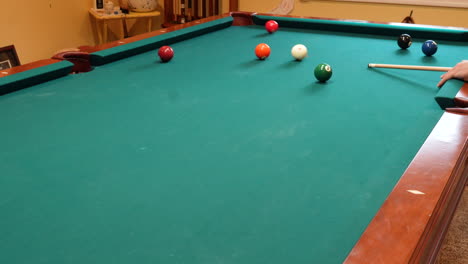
(262, 51)
(165, 53)
(271, 26)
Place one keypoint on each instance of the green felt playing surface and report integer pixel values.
(214, 157)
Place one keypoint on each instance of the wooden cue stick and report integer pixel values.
(182, 12)
(409, 67)
(210, 8)
(174, 6)
(189, 10)
(196, 9)
(203, 8)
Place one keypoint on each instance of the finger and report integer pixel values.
(444, 79)
(441, 83)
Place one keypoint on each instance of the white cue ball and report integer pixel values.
(299, 52)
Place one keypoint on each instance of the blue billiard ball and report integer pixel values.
(429, 47)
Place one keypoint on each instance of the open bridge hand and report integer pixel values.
(459, 71)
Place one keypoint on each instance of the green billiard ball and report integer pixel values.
(323, 72)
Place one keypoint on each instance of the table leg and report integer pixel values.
(122, 30)
(125, 29)
(150, 20)
(104, 32)
(99, 25)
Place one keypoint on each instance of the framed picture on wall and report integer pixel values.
(8, 57)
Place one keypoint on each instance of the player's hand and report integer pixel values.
(459, 71)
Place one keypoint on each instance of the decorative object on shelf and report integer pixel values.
(124, 6)
(409, 19)
(8, 57)
(142, 5)
(109, 7)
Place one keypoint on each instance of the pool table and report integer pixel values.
(219, 157)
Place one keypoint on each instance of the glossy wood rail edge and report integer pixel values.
(410, 225)
(461, 99)
(431, 241)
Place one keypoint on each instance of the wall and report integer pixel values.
(39, 28)
(457, 17)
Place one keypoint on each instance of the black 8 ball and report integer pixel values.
(404, 41)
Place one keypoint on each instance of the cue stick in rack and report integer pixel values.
(189, 10)
(182, 12)
(174, 6)
(210, 7)
(203, 8)
(196, 10)
(409, 67)
(177, 10)
(216, 7)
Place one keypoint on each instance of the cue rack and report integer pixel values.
(182, 11)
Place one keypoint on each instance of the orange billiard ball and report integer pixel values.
(262, 51)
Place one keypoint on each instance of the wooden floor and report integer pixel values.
(455, 247)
